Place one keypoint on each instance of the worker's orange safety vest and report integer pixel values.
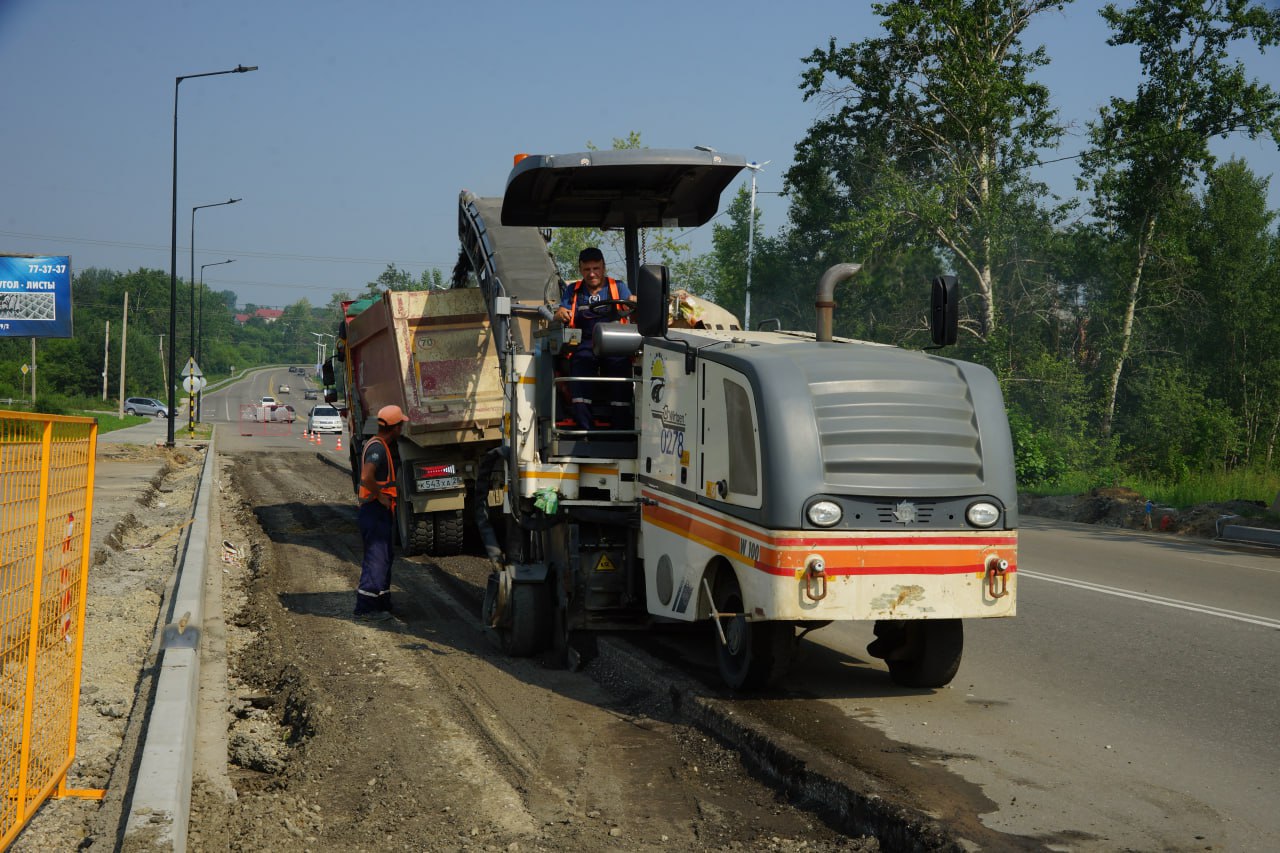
(388, 486)
(577, 288)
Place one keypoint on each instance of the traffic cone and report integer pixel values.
(319, 441)
(339, 447)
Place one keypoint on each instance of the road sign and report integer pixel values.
(192, 369)
(25, 369)
(194, 384)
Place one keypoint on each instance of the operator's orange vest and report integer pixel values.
(388, 486)
(577, 288)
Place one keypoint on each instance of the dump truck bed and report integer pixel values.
(432, 354)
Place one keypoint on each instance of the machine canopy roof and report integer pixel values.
(640, 188)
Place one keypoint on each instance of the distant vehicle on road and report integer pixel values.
(145, 406)
(282, 414)
(324, 419)
(268, 400)
(311, 394)
(283, 389)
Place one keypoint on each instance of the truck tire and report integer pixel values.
(422, 535)
(449, 533)
(932, 653)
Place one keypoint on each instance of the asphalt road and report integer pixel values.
(1132, 703)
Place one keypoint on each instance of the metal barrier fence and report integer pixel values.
(46, 511)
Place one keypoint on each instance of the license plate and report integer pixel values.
(437, 483)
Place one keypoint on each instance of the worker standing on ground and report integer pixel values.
(378, 495)
(576, 311)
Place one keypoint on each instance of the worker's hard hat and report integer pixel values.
(390, 416)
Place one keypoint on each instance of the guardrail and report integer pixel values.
(46, 511)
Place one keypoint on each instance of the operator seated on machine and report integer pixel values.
(585, 303)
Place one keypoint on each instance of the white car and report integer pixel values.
(324, 419)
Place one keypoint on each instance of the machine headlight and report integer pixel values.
(825, 513)
(982, 514)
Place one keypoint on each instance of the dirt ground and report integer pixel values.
(416, 734)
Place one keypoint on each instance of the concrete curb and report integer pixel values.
(1250, 535)
(160, 808)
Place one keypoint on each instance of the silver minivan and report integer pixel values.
(324, 419)
(145, 406)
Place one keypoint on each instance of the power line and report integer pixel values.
(236, 252)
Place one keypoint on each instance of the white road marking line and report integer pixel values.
(1236, 565)
(1157, 599)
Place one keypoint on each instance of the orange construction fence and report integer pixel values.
(46, 510)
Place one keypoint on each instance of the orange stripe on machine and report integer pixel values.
(846, 553)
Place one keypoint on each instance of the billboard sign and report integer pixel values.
(35, 296)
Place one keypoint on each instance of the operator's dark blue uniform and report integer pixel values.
(584, 363)
(376, 530)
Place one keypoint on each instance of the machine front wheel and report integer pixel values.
(929, 654)
(531, 616)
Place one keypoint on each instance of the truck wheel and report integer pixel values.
(931, 654)
(530, 620)
(422, 535)
(753, 654)
(449, 532)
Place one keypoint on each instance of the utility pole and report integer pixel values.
(124, 347)
(106, 354)
(163, 372)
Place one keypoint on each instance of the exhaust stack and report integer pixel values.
(826, 296)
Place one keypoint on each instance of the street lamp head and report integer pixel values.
(240, 69)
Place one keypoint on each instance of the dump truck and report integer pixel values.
(433, 353)
(768, 483)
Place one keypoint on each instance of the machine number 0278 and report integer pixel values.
(672, 441)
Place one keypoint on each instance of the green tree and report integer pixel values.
(932, 129)
(1150, 149)
(1231, 330)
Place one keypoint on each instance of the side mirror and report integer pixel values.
(326, 372)
(944, 311)
(652, 295)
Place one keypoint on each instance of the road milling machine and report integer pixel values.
(769, 482)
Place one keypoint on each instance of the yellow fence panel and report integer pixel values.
(46, 509)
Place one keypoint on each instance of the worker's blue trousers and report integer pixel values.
(376, 529)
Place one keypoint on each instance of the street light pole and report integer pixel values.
(193, 264)
(173, 244)
(751, 239)
(200, 337)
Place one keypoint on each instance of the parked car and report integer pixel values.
(283, 389)
(324, 419)
(145, 406)
(310, 394)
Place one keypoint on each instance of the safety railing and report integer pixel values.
(46, 510)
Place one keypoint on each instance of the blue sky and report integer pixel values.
(350, 143)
